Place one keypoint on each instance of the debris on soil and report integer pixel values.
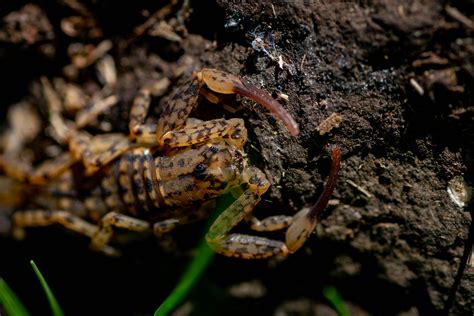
(459, 191)
(329, 123)
(29, 26)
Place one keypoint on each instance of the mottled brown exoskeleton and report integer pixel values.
(164, 175)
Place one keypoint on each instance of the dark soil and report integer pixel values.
(397, 248)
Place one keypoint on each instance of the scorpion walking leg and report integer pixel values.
(141, 132)
(47, 171)
(270, 223)
(190, 216)
(174, 116)
(22, 170)
(34, 218)
(239, 245)
(104, 234)
(99, 150)
(162, 228)
(173, 130)
(253, 247)
(80, 146)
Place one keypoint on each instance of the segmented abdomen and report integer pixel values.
(139, 184)
(130, 185)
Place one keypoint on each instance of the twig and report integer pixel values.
(152, 20)
(359, 188)
(302, 62)
(457, 15)
(417, 86)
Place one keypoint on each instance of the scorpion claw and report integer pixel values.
(263, 98)
(222, 82)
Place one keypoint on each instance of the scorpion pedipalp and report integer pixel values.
(222, 82)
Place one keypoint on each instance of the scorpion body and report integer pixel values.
(145, 186)
(164, 175)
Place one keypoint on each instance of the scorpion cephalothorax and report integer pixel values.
(164, 175)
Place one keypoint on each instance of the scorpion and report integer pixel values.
(164, 175)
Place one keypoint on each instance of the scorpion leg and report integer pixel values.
(14, 168)
(270, 223)
(35, 218)
(139, 131)
(239, 245)
(95, 153)
(254, 247)
(99, 150)
(22, 170)
(174, 129)
(162, 228)
(104, 234)
(47, 171)
(189, 216)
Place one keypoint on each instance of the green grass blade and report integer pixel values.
(55, 308)
(188, 280)
(333, 296)
(196, 268)
(10, 301)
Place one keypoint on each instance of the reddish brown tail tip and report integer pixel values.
(323, 200)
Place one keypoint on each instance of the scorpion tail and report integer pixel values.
(317, 209)
(306, 220)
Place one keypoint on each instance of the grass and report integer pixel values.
(196, 268)
(10, 302)
(204, 255)
(14, 307)
(53, 303)
(190, 277)
(333, 296)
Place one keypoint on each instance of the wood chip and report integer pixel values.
(331, 122)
